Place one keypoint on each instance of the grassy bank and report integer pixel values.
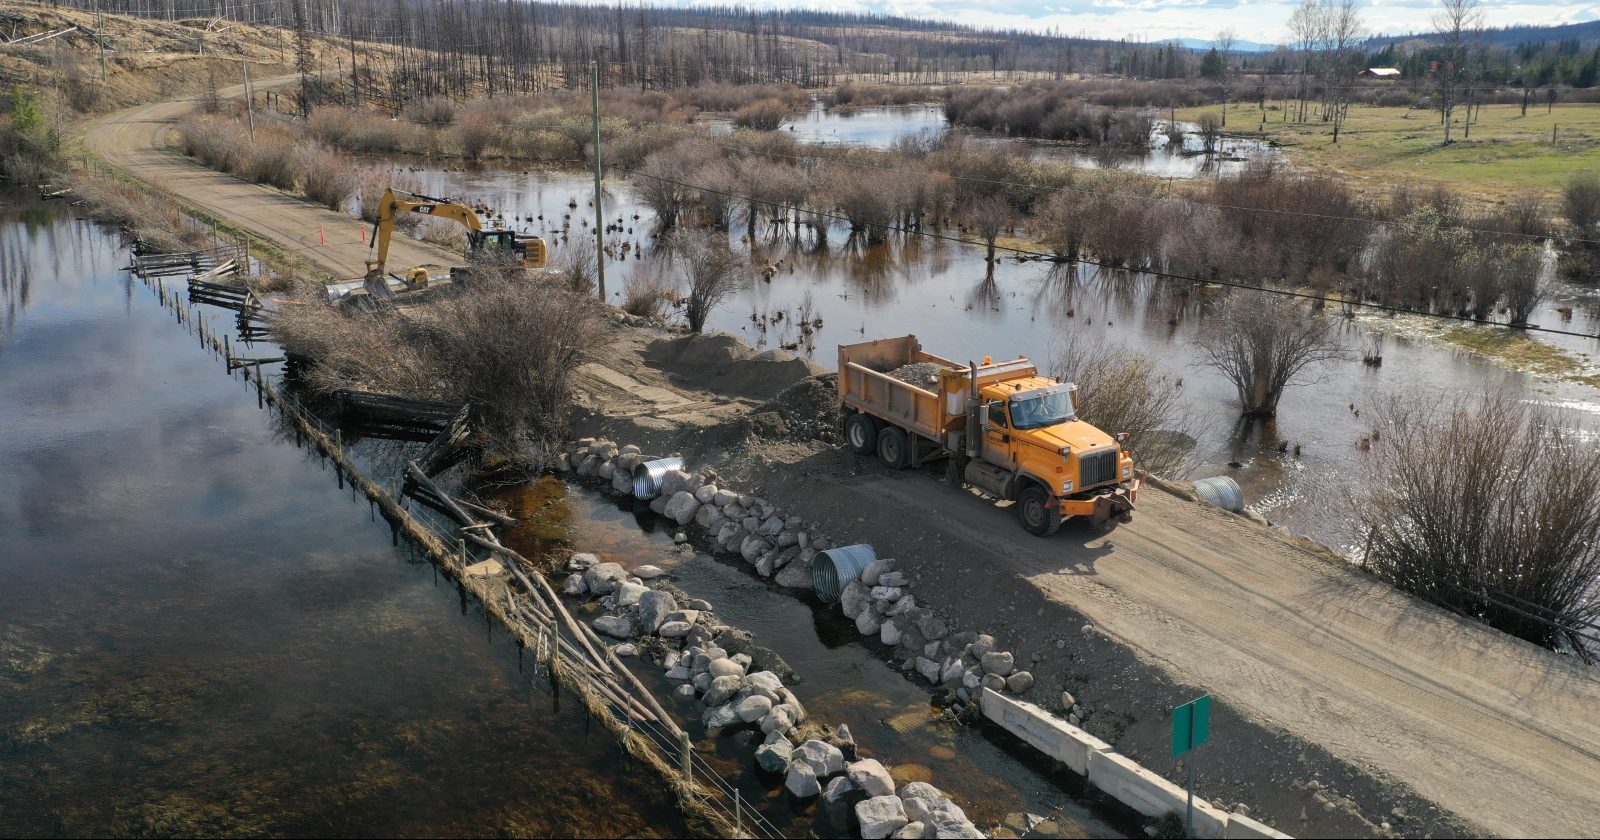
(1506, 154)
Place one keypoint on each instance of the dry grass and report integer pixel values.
(505, 345)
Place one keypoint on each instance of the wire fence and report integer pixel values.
(702, 789)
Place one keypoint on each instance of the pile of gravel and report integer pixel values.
(920, 374)
(809, 408)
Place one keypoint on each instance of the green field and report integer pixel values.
(1506, 154)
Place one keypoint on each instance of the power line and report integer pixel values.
(1164, 275)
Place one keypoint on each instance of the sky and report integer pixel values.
(1161, 20)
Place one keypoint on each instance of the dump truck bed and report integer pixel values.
(864, 384)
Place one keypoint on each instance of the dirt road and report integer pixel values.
(135, 142)
(1323, 675)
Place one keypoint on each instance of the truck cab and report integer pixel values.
(1031, 447)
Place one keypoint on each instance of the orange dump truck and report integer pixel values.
(1005, 429)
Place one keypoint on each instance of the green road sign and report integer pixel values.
(1191, 725)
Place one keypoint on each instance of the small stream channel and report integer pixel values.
(842, 679)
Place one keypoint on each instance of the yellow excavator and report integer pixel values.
(495, 242)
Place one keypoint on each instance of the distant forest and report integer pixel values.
(452, 47)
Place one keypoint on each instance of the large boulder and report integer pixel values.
(880, 817)
(956, 830)
(580, 561)
(765, 684)
(801, 781)
(794, 575)
(1019, 682)
(674, 629)
(869, 575)
(725, 668)
(871, 776)
(614, 626)
(773, 756)
(997, 662)
(933, 627)
(721, 717)
(753, 708)
(653, 609)
(604, 578)
(722, 690)
(825, 759)
(781, 719)
(867, 623)
(629, 593)
(855, 598)
(574, 586)
(682, 507)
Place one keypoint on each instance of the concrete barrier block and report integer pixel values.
(1126, 781)
(1241, 827)
(1053, 737)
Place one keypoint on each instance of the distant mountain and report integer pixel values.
(1510, 36)
(1238, 46)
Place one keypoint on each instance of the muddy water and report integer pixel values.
(201, 634)
(842, 679)
(938, 291)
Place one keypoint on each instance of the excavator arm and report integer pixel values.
(391, 206)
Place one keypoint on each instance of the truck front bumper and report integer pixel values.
(1102, 506)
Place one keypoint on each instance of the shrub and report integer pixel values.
(647, 293)
(1490, 506)
(326, 176)
(1121, 390)
(1580, 202)
(1262, 343)
(762, 115)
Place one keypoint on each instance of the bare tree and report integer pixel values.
(1262, 343)
(1306, 27)
(714, 272)
(1121, 390)
(1223, 44)
(1458, 21)
(989, 215)
(1490, 506)
(1345, 31)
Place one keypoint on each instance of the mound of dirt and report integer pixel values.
(808, 408)
(725, 364)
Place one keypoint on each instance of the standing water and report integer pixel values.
(1296, 469)
(202, 634)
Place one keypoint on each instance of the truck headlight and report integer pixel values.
(1127, 472)
(1066, 486)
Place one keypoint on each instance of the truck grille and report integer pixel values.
(1096, 468)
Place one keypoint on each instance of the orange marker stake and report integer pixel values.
(322, 233)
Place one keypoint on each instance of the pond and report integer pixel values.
(938, 290)
(882, 127)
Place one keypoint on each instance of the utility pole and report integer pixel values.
(599, 214)
(249, 100)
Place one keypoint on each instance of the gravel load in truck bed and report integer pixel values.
(920, 374)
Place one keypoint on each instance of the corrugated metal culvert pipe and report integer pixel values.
(832, 570)
(647, 476)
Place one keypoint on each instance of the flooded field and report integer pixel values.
(201, 634)
(882, 127)
(938, 290)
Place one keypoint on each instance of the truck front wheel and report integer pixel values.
(862, 433)
(1039, 517)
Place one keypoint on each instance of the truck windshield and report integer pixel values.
(1041, 411)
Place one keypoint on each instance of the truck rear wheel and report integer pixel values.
(861, 431)
(893, 448)
(1038, 516)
